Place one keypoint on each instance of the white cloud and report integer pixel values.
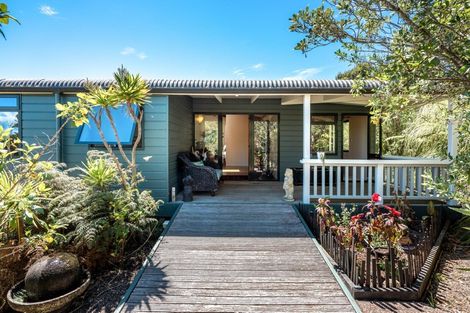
(141, 55)
(128, 51)
(132, 51)
(241, 73)
(307, 73)
(48, 10)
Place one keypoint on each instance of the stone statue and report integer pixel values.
(188, 182)
(289, 185)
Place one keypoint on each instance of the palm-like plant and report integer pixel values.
(5, 18)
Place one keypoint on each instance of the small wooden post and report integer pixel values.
(363, 268)
(401, 275)
(387, 274)
(379, 276)
(368, 267)
(392, 269)
(374, 272)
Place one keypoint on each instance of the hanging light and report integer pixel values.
(199, 118)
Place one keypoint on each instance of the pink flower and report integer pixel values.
(376, 198)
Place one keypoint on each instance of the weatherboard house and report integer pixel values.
(248, 129)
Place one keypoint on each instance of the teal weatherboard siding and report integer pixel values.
(38, 120)
(155, 145)
(180, 137)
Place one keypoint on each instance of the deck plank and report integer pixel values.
(227, 257)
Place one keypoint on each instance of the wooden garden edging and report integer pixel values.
(394, 279)
(146, 263)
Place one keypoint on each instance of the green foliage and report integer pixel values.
(100, 216)
(420, 50)
(99, 173)
(126, 90)
(5, 17)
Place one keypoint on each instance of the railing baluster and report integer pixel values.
(387, 181)
(354, 182)
(395, 181)
(330, 172)
(362, 181)
(412, 181)
(369, 180)
(419, 183)
(404, 180)
(338, 181)
(323, 181)
(315, 187)
(346, 180)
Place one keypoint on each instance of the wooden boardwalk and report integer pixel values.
(221, 257)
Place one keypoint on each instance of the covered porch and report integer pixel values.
(325, 135)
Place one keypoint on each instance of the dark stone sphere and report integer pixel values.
(52, 276)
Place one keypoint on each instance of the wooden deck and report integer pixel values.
(233, 257)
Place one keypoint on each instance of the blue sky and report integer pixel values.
(177, 39)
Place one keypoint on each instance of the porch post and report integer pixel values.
(452, 145)
(452, 135)
(306, 150)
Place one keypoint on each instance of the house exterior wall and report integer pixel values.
(180, 135)
(38, 122)
(168, 129)
(38, 116)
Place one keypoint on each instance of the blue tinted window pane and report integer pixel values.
(8, 102)
(9, 120)
(124, 124)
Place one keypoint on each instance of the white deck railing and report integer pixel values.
(358, 179)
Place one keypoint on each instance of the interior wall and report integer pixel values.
(236, 140)
(357, 138)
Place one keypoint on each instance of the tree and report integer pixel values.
(419, 49)
(128, 90)
(5, 18)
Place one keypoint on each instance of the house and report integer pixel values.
(255, 129)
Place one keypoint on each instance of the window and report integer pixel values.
(9, 114)
(375, 139)
(125, 125)
(206, 133)
(323, 134)
(346, 135)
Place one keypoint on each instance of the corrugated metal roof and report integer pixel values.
(196, 86)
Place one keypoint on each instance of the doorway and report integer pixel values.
(244, 146)
(362, 139)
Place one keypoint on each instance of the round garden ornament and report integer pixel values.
(50, 285)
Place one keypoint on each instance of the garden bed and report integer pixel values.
(393, 274)
(110, 281)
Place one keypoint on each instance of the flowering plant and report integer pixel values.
(376, 222)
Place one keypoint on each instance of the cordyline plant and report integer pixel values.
(376, 222)
(127, 90)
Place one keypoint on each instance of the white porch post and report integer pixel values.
(306, 150)
(452, 144)
(452, 135)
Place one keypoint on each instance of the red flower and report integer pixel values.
(395, 213)
(376, 198)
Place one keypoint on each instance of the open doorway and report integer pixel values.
(244, 146)
(235, 150)
(361, 138)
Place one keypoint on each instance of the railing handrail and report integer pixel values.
(356, 162)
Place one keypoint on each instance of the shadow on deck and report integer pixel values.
(244, 250)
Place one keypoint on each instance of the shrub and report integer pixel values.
(100, 216)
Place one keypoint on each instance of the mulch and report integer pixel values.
(449, 290)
